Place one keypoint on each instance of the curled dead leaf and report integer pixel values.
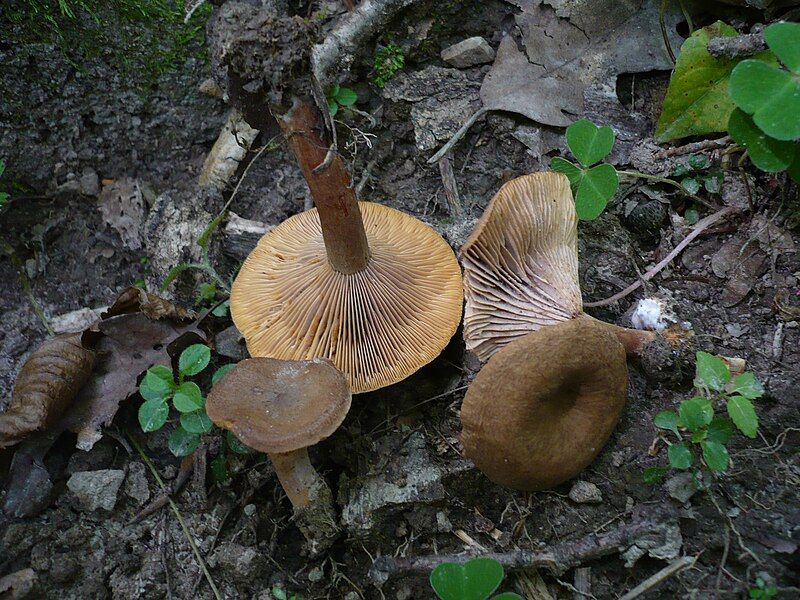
(46, 385)
(133, 300)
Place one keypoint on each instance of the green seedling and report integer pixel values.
(389, 60)
(694, 176)
(592, 184)
(207, 293)
(159, 387)
(281, 594)
(473, 580)
(340, 97)
(697, 427)
(766, 120)
(763, 590)
(3, 195)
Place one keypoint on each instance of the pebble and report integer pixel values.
(96, 489)
(585, 492)
(468, 53)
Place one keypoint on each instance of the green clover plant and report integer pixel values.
(476, 579)
(697, 427)
(159, 386)
(766, 120)
(338, 97)
(593, 185)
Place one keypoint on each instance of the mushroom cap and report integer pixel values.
(542, 408)
(521, 263)
(377, 326)
(280, 405)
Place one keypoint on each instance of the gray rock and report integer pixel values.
(230, 343)
(136, 485)
(681, 487)
(96, 489)
(238, 561)
(585, 492)
(468, 53)
(90, 182)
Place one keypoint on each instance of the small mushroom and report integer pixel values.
(521, 266)
(544, 405)
(282, 408)
(370, 288)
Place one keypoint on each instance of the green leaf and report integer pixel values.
(188, 397)
(713, 182)
(691, 215)
(696, 413)
(181, 442)
(219, 469)
(236, 445)
(196, 422)
(333, 107)
(743, 415)
(508, 596)
(711, 372)
(654, 475)
(794, 168)
(157, 383)
(589, 143)
(720, 430)
(573, 173)
(194, 359)
(698, 436)
(222, 309)
(174, 273)
(784, 40)
(771, 95)
(474, 580)
(206, 292)
(680, 456)
(697, 100)
(220, 373)
(346, 97)
(691, 185)
(598, 186)
(667, 419)
(680, 169)
(768, 154)
(153, 414)
(746, 385)
(715, 455)
(698, 161)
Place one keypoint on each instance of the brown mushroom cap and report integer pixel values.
(279, 405)
(378, 325)
(521, 263)
(562, 389)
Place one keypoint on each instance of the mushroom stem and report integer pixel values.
(297, 476)
(633, 340)
(334, 196)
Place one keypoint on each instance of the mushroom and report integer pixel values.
(282, 408)
(561, 389)
(521, 267)
(372, 289)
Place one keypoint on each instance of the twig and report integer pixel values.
(663, 24)
(736, 47)
(178, 516)
(187, 465)
(694, 147)
(722, 562)
(450, 187)
(697, 230)
(665, 573)
(671, 182)
(458, 135)
(557, 559)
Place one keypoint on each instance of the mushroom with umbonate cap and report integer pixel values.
(282, 408)
(562, 387)
(372, 289)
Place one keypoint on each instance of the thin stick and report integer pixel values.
(665, 573)
(702, 224)
(671, 182)
(178, 516)
(458, 135)
(695, 147)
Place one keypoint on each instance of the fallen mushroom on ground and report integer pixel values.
(372, 289)
(282, 408)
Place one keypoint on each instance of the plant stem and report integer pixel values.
(671, 182)
(334, 197)
(178, 515)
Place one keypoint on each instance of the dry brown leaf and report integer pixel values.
(134, 299)
(46, 385)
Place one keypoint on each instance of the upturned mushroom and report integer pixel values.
(521, 267)
(282, 408)
(545, 404)
(372, 289)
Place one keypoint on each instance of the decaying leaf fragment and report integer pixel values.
(46, 386)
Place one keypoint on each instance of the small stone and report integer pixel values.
(352, 596)
(90, 183)
(468, 53)
(230, 344)
(404, 593)
(681, 487)
(96, 489)
(136, 485)
(316, 574)
(250, 510)
(443, 524)
(238, 561)
(585, 492)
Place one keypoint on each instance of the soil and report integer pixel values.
(395, 465)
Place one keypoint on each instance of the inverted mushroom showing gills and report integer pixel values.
(544, 405)
(282, 408)
(372, 289)
(521, 266)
